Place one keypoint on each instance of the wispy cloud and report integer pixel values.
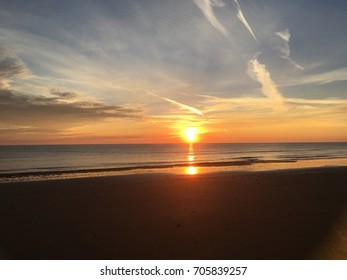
(319, 79)
(11, 67)
(254, 116)
(206, 6)
(258, 72)
(285, 35)
(256, 101)
(342, 102)
(181, 105)
(281, 44)
(242, 18)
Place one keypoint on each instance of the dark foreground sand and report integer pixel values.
(296, 214)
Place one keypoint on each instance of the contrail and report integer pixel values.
(183, 106)
(258, 72)
(207, 9)
(243, 20)
(282, 45)
(285, 35)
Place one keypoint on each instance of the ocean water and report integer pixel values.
(52, 158)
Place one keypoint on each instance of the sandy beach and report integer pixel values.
(283, 214)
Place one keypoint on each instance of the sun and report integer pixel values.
(190, 134)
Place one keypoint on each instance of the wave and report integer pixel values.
(44, 173)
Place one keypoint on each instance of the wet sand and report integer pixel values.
(284, 214)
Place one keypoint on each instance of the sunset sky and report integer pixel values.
(144, 71)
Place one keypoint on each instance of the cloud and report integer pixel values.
(66, 95)
(317, 101)
(256, 101)
(20, 110)
(258, 72)
(281, 43)
(285, 35)
(206, 6)
(183, 106)
(241, 17)
(319, 79)
(254, 113)
(10, 67)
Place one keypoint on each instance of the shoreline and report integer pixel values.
(192, 168)
(282, 214)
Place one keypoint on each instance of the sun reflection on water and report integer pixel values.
(191, 169)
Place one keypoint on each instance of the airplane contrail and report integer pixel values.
(206, 6)
(241, 17)
(283, 47)
(258, 72)
(183, 106)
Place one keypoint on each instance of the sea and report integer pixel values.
(49, 159)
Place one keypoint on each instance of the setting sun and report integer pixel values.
(190, 134)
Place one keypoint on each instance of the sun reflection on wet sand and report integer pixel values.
(191, 170)
(334, 247)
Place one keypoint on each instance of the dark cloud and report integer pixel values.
(10, 66)
(17, 109)
(64, 95)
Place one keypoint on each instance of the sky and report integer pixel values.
(143, 71)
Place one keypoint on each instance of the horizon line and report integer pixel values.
(174, 143)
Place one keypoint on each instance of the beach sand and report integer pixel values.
(283, 214)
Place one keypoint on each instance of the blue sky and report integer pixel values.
(142, 71)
